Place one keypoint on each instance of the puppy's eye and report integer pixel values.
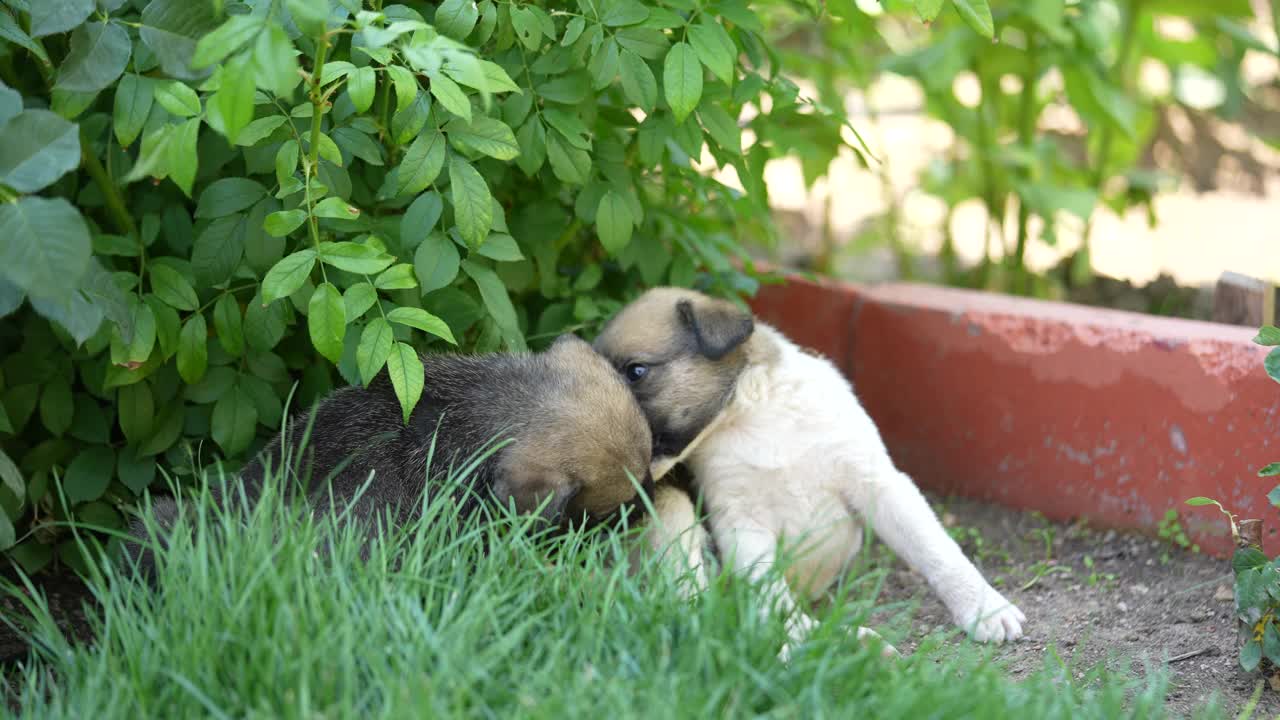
(635, 371)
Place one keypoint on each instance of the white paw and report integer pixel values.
(867, 636)
(799, 625)
(992, 618)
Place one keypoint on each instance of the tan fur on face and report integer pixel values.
(684, 389)
(584, 442)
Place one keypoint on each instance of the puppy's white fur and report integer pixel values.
(794, 459)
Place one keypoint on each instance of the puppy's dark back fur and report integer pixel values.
(565, 408)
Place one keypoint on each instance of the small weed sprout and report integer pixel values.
(1171, 531)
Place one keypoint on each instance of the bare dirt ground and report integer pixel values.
(1099, 596)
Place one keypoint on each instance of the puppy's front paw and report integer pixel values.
(869, 637)
(992, 618)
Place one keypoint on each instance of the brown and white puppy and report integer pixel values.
(576, 439)
(783, 453)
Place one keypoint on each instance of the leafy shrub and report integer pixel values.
(1030, 63)
(205, 201)
(1257, 577)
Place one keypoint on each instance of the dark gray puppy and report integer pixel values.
(575, 439)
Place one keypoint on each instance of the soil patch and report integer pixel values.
(1098, 596)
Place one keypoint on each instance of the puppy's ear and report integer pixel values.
(718, 326)
(568, 341)
(548, 492)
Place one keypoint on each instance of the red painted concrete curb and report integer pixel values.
(1076, 412)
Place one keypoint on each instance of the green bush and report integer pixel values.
(1025, 60)
(206, 201)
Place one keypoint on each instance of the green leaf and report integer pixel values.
(264, 325)
(288, 275)
(136, 472)
(623, 12)
(338, 208)
(259, 130)
(472, 201)
(451, 97)
(181, 153)
(1273, 497)
(1247, 558)
(193, 349)
(375, 345)
(420, 219)
(228, 38)
(648, 43)
(570, 164)
(573, 31)
(275, 62)
(638, 83)
(168, 326)
(570, 126)
(484, 135)
(501, 247)
(977, 13)
(528, 29)
(436, 262)
(99, 54)
(358, 299)
(355, 257)
(406, 85)
(1268, 335)
(614, 222)
(231, 107)
(496, 80)
(396, 277)
(61, 256)
(171, 28)
(139, 346)
(56, 407)
(229, 325)
(218, 250)
(496, 301)
(9, 30)
(39, 147)
(283, 222)
(310, 16)
(1250, 655)
(89, 475)
(178, 98)
(722, 127)
(532, 137)
(169, 285)
(682, 80)
(604, 65)
(714, 48)
(11, 476)
(360, 86)
(423, 320)
(234, 421)
(1271, 364)
(456, 18)
(407, 376)
(928, 9)
(134, 96)
(135, 408)
(7, 534)
(1201, 501)
(49, 17)
(1271, 469)
(228, 196)
(422, 163)
(327, 321)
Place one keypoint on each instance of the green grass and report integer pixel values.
(251, 622)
